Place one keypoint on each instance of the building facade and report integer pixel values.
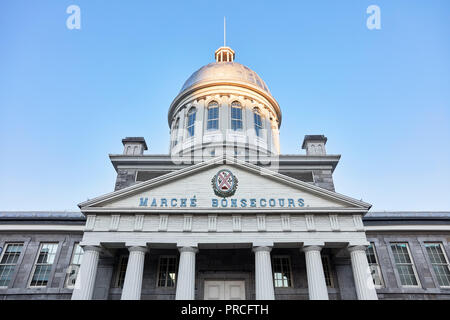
(224, 215)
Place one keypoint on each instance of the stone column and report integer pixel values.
(263, 274)
(186, 274)
(317, 286)
(84, 285)
(133, 277)
(365, 289)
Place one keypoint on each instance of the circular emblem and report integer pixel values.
(224, 183)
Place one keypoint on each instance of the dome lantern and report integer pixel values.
(224, 54)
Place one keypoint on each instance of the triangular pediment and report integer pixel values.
(192, 189)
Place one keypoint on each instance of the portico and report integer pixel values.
(325, 221)
(262, 277)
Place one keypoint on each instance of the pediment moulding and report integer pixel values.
(298, 196)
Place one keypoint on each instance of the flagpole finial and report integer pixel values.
(224, 32)
(224, 54)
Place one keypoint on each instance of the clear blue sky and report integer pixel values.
(68, 97)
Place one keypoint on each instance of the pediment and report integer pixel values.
(191, 188)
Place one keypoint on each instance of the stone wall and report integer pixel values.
(19, 285)
(428, 286)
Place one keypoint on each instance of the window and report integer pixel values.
(74, 267)
(191, 121)
(175, 131)
(8, 262)
(213, 116)
(404, 265)
(43, 265)
(167, 271)
(439, 262)
(236, 116)
(282, 272)
(374, 266)
(327, 271)
(121, 271)
(258, 122)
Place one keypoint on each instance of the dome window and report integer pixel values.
(236, 116)
(213, 116)
(191, 122)
(175, 131)
(258, 122)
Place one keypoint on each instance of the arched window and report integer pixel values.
(175, 131)
(191, 122)
(213, 116)
(258, 122)
(236, 116)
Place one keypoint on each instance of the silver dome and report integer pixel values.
(227, 71)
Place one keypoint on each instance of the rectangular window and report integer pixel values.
(74, 267)
(44, 264)
(327, 271)
(374, 265)
(236, 118)
(440, 264)
(404, 264)
(282, 272)
(8, 262)
(167, 270)
(121, 271)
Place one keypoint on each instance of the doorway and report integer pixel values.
(224, 290)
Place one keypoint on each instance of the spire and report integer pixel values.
(224, 54)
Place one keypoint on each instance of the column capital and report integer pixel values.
(92, 248)
(356, 248)
(188, 249)
(138, 248)
(262, 248)
(311, 248)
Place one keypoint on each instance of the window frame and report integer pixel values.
(72, 256)
(212, 105)
(191, 111)
(35, 264)
(326, 261)
(377, 264)
(441, 246)
(291, 278)
(175, 129)
(158, 271)
(240, 107)
(118, 271)
(2, 254)
(419, 285)
(258, 132)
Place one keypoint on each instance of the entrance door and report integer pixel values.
(224, 290)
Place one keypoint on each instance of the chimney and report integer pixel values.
(134, 146)
(315, 145)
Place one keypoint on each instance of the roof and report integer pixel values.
(408, 215)
(225, 71)
(41, 216)
(407, 218)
